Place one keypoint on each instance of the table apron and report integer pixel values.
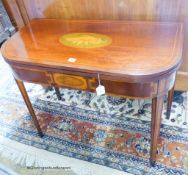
(89, 83)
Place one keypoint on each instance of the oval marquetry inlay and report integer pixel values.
(85, 40)
(70, 81)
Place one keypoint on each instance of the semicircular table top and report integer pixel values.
(118, 47)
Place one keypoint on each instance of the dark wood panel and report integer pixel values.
(31, 75)
(155, 10)
(88, 83)
(14, 13)
(121, 88)
(131, 53)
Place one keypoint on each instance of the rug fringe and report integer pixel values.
(24, 159)
(28, 156)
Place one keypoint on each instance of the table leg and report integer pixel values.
(57, 93)
(169, 103)
(29, 106)
(157, 106)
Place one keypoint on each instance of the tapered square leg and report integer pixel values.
(29, 106)
(169, 103)
(57, 93)
(157, 107)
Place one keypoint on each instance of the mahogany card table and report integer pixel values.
(135, 59)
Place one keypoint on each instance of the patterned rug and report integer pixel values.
(105, 130)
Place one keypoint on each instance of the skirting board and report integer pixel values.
(181, 81)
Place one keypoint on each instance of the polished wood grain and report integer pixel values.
(151, 10)
(169, 103)
(141, 61)
(157, 107)
(89, 81)
(14, 13)
(139, 50)
(32, 75)
(29, 106)
(145, 10)
(70, 81)
(23, 11)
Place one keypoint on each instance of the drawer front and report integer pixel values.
(31, 75)
(70, 81)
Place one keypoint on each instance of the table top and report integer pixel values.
(124, 48)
